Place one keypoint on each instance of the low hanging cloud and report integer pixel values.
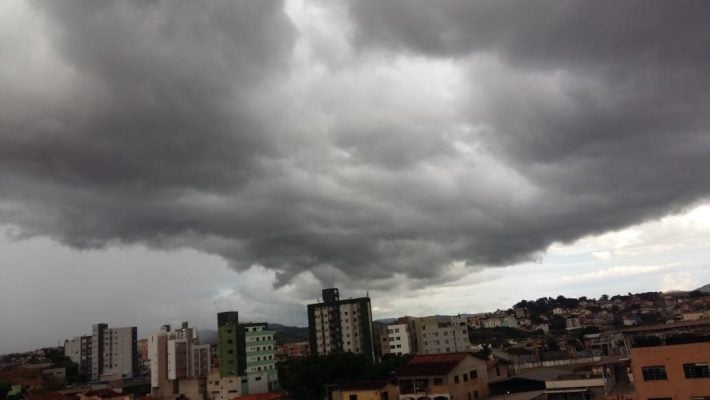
(358, 141)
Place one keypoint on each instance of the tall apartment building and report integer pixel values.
(114, 352)
(179, 364)
(247, 361)
(340, 325)
(78, 350)
(109, 353)
(442, 335)
(398, 337)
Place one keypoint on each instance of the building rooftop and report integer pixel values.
(432, 364)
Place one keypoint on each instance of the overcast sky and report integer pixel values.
(165, 160)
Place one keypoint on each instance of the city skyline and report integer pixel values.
(166, 161)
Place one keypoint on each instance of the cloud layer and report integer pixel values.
(359, 141)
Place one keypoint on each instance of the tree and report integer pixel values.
(4, 388)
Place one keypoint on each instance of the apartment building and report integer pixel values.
(78, 349)
(398, 337)
(674, 368)
(247, 361)
(442, 335)
(179, 364)
(108, 354)
(337, 325)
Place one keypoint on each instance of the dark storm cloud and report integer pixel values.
(624, 133)
(182, 124)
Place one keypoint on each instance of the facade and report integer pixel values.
(78, 350)
(228, 336)
(179, 364)
(341, 325)
(436, 335)
(455, 376)
(247, 360)
(398, 338)
(673, 371)
(109, 353)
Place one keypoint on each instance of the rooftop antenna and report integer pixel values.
(367, 294)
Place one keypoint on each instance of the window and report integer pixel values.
(654, 373)
(456, 379)
(438, 381)
(474, 374)
(421, 384)
(352, 397)
(697, 370)
(465, 377)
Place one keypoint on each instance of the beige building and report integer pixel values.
(399, 337)
(455, 376)
(178, 363)
(114, 352)
(436, 335)
(336, 325)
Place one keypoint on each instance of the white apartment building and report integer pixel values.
(108, 354)
(341, 325)
(442, 335)
(177, 362)
(396, 339)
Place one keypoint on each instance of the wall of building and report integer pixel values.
(396, 339)
(436, 336)
(341, 325)
(672, 357)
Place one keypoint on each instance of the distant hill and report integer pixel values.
(289, 334)
(704, 289)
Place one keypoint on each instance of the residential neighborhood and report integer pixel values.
(623, 347)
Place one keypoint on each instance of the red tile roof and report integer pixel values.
(261, 396)
(432, 364)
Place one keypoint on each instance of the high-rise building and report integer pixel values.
(337, 325)
(398, 337)
(247, 363)
(179, 364)
(228, 336)
(78, 350)
(109, 353)
(442, 335)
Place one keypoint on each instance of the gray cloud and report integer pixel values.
(456, 131)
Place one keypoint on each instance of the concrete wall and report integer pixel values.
(677, 386)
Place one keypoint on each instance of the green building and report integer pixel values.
(246, 353)
(228, 336)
